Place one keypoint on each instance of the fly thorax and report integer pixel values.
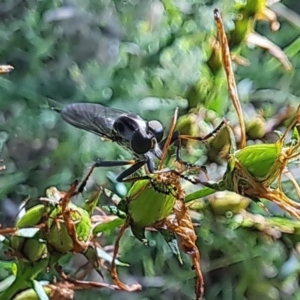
(125, 127)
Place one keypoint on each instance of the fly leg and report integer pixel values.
(201, 139)
(113, 163)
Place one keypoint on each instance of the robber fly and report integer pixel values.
(144, 139)
(129, 130)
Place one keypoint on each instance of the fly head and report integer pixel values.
(156, 128)
(142, 136)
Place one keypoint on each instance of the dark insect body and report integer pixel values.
(144, 139)
(129, 130)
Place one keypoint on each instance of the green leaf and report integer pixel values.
(171, 239)
(111, 225)
(40, 290)
(102, 254)
(206, 191)
(7, 282)
(27, 232)
(9, 265)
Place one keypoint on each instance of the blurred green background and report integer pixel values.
(148, 57)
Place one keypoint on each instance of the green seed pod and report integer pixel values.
(256, 128)
(252, 170)
(261, 161)
(63, 239)
(228, 201)
(32, 248)
(149, 202)
(185, 124)
(35, 249)
(32, 217)
(219, 146)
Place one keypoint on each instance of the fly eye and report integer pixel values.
(157, 129)
(141, 143)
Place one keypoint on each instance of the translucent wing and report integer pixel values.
(94, 118)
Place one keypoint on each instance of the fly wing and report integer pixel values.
(94, 118)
